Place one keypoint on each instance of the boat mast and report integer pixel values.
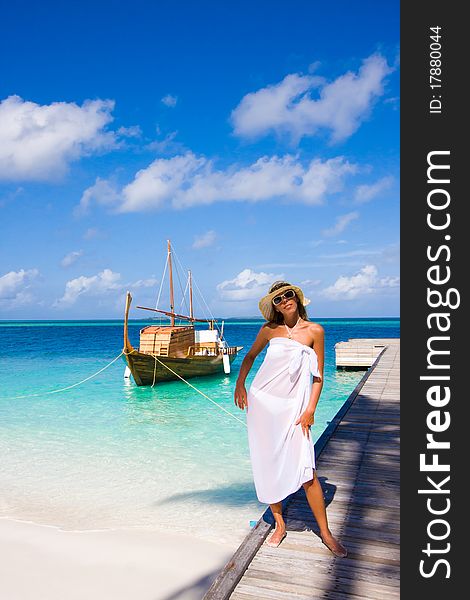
(172, 297)
(190, 295)
(127, 345)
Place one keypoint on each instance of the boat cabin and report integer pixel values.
(179, 341)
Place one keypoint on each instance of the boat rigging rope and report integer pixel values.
(207, 307)
(161, 283)
(198, 391)
(204, 311)
(184, 296)
(69, 387)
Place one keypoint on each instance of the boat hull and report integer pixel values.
(147, 371)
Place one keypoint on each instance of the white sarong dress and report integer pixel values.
(282, 457)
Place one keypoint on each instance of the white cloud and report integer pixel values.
(71, 257)
(104, 283)
(11, 196)
(288, 107)
(365, 282)
(365, 193)
(387, 255)
(391, 254)
(103, 192)
(38, 142)
(15, 286)
(341, 223)
(144, 283)
(393, 102)
(91, 233)
(352, 253)
(312, 67)
(187, 180)
(247, 285)
(170, 100)
(97, 285)
(134, 131)
(389, 281)
(310, 282)
(303, 265)
(205, 240)
(167, 145)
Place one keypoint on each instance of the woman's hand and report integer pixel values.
(241, 398)
(306, 420)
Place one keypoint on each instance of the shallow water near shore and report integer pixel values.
(110, 455)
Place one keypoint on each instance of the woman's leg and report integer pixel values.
(314, 493)
(280, 530)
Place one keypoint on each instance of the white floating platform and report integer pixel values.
(360, 352)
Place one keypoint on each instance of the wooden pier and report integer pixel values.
(358, 467)
(359, 352)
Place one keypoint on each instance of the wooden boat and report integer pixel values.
(169, 351)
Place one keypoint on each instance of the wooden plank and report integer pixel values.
(282, 586)
(356, 354)
(369, 550)
(370, 513)
(338, 512)
(231, 574)
(309, 566)
(315, 572)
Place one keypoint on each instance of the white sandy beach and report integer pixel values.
(45, 563)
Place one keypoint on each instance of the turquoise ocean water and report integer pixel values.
(108, 454)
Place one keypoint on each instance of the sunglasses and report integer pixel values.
(288, 295)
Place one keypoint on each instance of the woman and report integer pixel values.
(281, 405)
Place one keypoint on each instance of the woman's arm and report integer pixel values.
(307, 417)
(260, 342)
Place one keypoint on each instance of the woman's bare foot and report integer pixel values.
(277, 537)
(333, 545)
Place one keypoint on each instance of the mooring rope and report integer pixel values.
(69, 387)
(154, 373)
(74, 385)
(199, 391)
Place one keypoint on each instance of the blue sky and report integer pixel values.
(262, 138)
